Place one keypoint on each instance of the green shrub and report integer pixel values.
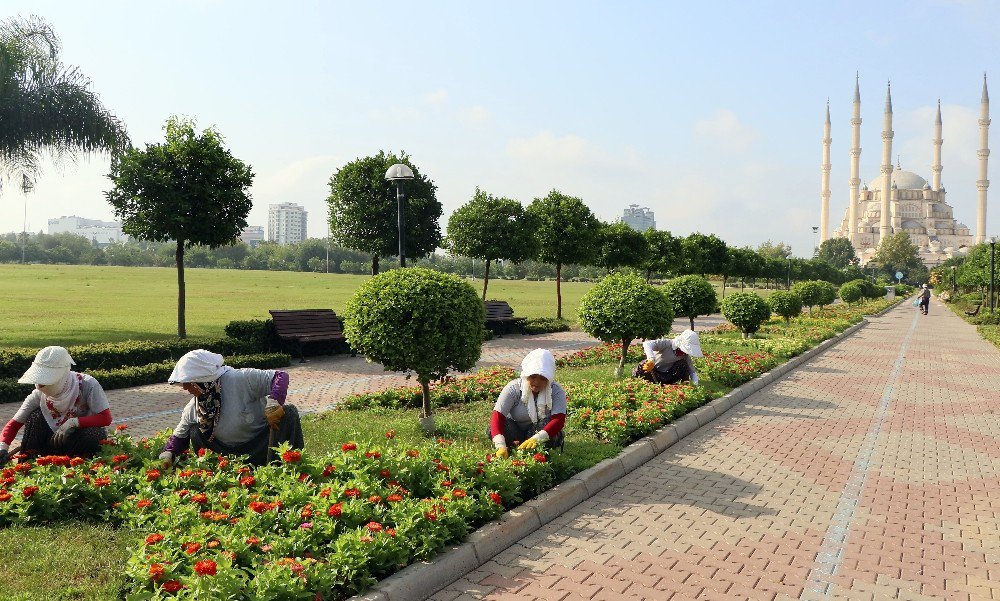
(623, 307)
(747, 311)
(815, 292)
(545, 325)
(260, 333)
(691, 296)
(851, 292)
(417, 320)
(785, 304)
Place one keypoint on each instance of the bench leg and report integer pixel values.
(302, 351)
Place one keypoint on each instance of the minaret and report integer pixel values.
(984, 153)
(824, 216)
(852, 206)
(938, 141)
(885, 227)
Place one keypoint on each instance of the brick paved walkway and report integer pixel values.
(872, 472)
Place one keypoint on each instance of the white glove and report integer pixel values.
(4, 446)
(694, 379)
(59, 439)
(167, 458)
(499, 441)
(271, 402)
(541, 436)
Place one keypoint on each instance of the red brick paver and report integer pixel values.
(872, 472)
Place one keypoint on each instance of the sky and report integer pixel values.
(711, 113)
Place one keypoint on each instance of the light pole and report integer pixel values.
(815, 241)
(399, 174)
(954, 286)
(993, 243)
(788, 276)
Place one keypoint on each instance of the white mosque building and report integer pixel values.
(913, 205)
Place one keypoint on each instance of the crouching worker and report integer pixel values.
(233, 411)
(668, 360)
(64, 415)
(531, 409)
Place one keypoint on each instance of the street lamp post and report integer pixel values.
(993, 243)
(954, 285)
(399, 174)
(788, 276)
(815, 241)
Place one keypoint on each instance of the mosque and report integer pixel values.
(913, 205)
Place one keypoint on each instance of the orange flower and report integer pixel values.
(152, 475)
(335, 510)
(394, 498)
(192, 548)
(156, 571)
(458, 493)
(253, 540)
(143, 503)
(154, 538)
(291, 456)
(375, 499)
(412, 453)
(247, 481)
(352, 493)
(200, 498)
(496, 498)
(172, 586)
(205, 567)
(4, 496)
(121, 427)
(390, 434)
(29, 491)
(348, 446)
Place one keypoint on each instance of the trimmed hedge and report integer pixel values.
(140, 375)
(545, 325)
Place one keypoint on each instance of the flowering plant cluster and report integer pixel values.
(483, 385)
(311, 527)
(603, 353)
(732, 368)
(625, 410)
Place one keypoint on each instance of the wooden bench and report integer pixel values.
(307, 325)
(500, 317)
(975, 312)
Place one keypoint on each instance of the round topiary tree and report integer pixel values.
(691, 296)
(785, 304)
(623, 307)
(827, 294)
(810, 292)
(747, 311)
(851, 292)
(417, 320)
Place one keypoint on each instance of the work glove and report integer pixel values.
(532, 443)
(4, 454)
(503, 453)
(166, 460)
(273, 412)
(647, 366)
(61, 437)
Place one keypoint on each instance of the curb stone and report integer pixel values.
(423, 579)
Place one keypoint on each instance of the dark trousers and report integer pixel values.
(289, 431)
(675, 373)
(37, 438)
(515, 434)
(925, 304)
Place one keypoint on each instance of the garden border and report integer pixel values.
(423, 579)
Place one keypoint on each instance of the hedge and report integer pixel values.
(140, 375)
(545, 325)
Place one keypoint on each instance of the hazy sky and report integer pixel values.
(709, 113)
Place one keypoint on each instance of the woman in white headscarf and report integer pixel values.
(232, 411)
(531, 409)
(668, 360)
(65, 414)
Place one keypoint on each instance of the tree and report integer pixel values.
(189, 189)
(812, 293)
(771, 250)
(623, 307)
(691, 296)
(704, 255)
(621, 246)
(664, 254)
(785, 304)
(975, 271)
(491, 228)
(363, 209)
(747, 311)
(851, 292)
(417, 320)
(567, 233)
(898, 253)
(46, 105)
(838, 252)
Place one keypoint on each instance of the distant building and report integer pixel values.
(639, 218)
(253, 235)
(101, 233)
(286, 223)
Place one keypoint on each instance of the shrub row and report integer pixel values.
(483, 385)
(545, 325)
(140, 375)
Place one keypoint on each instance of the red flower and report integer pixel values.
(156, 571)
(258, 506)
(101, 482)
(329, 470)
(200, 498)
(248, 481)
(446, 483)
(335, 510)
(394, 498)
(152, 475)
(373, 454)
(119, 458)
(172, 586)
(4, 496)
(385, 473)
(412, 453)
(253, 540)
(496, 498)
(29, 491)
(325, 493)
(291, 456)
(192, 548)
(374, 527)
(352, 493)
(202, 451)
(348, 446)
(390, 434)
(76, 461)
(458, 493)
(154, 538)
(143, 503)
(121, 427)
(540, 457)
(205, 567)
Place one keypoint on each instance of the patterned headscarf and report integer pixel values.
(207, 407)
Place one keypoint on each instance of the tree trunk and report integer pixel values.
(621, 362)
(486, 279)
(649, 275)
(691, 317)
(743, 282)
(425, 389)
(558, 290)
(374, 264)
(179, 256)
(725, 279)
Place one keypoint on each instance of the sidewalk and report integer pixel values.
(872, 472)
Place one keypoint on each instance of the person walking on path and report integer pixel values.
(66, 413)
(232, 411)
(530, 409)
(925, 299)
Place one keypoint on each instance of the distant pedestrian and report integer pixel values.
(65, 414)
(925, 299)
(668, 360)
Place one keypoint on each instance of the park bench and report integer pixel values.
(500, 317)
(974, 312)
(307, 325)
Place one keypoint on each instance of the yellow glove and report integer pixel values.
(529, 445)
(273, 412)
(647, 366)
(503, 453)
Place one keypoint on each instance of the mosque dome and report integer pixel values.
(904, 180)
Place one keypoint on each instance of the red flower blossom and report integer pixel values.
(119, 458)
(253, 540)
(329, 470)
(385, 473)
(152, 475)
(446, 483)
(412, 453)
(202, 451)
(348, 446)
(335, 510)
(29, 491)
(353, 493)
(291, 456)
(102, 482)
(121, 427)
(390, 434)
(156, 571)
(496, 498)
(458, 493)
(540, 457)
(394, 498)
(143, 503)
(375, 499)
(205, 567)
(325, 493)
(154, 538)
(373, 454)
(4, 496)
(172, 586)
(192, 548)
(258, 506)
(200, 498)
(247, 481)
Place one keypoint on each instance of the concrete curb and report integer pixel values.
(421, 580)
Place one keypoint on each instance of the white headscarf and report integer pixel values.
(59, 399)
(198, 366)
(538, 362)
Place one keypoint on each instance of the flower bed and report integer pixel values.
(310, 528)
(732, 368)
(602, 353)
(483, 385)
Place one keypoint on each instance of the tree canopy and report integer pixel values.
(621, 246)
(190, 189)
(704, 255)
(838, 252)
(664, 254)
(898, 253)
(363, 210)
(773, 250)
(46, 106)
